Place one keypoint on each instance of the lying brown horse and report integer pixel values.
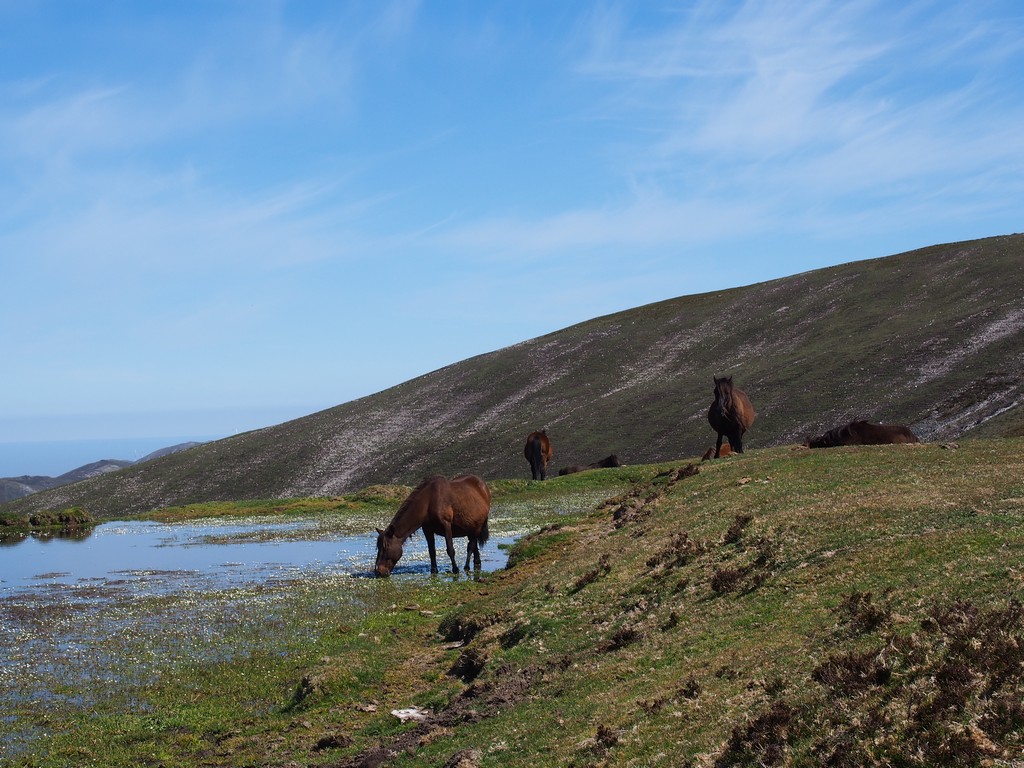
(730, 415)
(863, 433)
(725, 450)
(538, 452)
(453, 508)
(608, 461)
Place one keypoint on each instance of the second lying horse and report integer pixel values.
(453, 508)
(863, 433)
(605, 463)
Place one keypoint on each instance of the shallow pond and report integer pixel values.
(155, 558)
(70, 607)
(94, 622)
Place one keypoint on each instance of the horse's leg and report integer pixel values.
(433, 552)
(476, 554)
(470, 547)
(450, 544)
(736, 440)
(718, 447)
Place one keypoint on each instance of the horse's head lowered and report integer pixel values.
(389, 551)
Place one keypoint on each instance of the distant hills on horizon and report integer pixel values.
(12, 488)
(931, 338)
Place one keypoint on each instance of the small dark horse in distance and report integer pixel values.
(538, 452)
(453, 508)
(730, 415)
(605, 463)
(863, 433)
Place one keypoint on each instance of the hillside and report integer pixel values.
(790, 607)
(844, 607)
(12, 488)
(16, 487)
(933, 338)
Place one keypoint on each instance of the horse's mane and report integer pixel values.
(412, 497)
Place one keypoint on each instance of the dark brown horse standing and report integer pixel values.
(730, 415)
(538, 452)
(452, 508)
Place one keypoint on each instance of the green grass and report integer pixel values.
(869, 611)
(374, 499)
(46, 522)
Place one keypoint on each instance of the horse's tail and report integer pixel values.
(484, 534)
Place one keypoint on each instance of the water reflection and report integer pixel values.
(69, 534)
(157, 558)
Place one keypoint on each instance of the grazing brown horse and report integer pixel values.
(605, 463)
(538, 452)
(730, 415)
(453, 508)
(863, 433)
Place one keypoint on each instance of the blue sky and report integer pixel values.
(220, 215)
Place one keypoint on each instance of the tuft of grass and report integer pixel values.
(861, 613)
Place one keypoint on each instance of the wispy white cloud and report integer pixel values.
(794, 117)
(116, 175)
(153, 221)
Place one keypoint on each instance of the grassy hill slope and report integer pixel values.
(933, 338)
(853, 606)
(822, 608)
